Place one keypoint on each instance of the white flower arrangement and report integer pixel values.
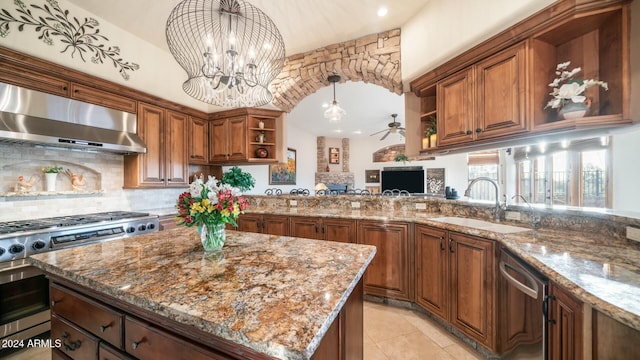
(567, 88)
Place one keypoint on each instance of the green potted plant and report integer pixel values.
(51, 174)
(238, 178)
(401, 157)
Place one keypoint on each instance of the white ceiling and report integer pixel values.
(305, 25)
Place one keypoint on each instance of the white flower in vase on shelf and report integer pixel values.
(568, 90)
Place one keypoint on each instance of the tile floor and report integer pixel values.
(390, 333)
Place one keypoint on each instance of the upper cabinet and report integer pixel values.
(244, 136)
(198, 141)
(498, 90)
(484, 101)
(96, 96)
(165, 163)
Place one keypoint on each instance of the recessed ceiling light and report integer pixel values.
(338, 130)
(357, 132)
(382, 11)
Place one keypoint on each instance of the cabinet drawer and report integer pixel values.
(149, 343)
(76, 343)
(106, 352)
(103, 98)
(89, 315)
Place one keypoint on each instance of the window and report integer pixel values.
(483, 164)
(566, 175)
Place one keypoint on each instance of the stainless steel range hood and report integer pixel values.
(28, 116)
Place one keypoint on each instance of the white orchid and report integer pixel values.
(567, 88)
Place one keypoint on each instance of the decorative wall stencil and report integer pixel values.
(435, 181)
(81, 36)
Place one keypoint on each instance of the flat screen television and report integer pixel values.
(410, 180)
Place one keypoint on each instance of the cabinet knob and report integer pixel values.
(54, 302)
(441, 243)
(64, 88)
(104, 327)
(72, 345)
(468, 132)
(451, 246)
(478, 130)
(135, 344)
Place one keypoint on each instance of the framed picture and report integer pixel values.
(284, 174)
(334, 155)
(372, 176)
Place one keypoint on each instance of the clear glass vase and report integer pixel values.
(212, 237)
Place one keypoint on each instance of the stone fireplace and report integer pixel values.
(336, 175)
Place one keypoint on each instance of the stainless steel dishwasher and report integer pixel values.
(525, 297)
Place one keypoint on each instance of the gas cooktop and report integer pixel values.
(63, 221)
(22, 238)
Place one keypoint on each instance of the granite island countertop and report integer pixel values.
(602, 274)
(277, 295)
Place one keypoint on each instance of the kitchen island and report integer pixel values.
(270, 297)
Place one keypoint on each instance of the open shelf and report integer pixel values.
(597, 42)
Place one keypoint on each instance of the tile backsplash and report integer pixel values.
(27, 161)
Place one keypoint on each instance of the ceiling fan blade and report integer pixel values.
(402, 132)
(376, 133)
(385, 135)
(401, 128)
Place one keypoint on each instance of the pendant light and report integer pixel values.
(230, 49)
(334, 113)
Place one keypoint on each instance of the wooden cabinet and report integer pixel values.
(77, 344)
(91, 316)
(22, 76)
(228, 140)
(266, 224)
(613, 339)
(244, 136)
(501, 94)
(390, 273)
(198, 141)
(145, 336)
(432, 270)
(455, 280)
(473, 288)
(455, 110)
(103, 98)
(484, 101)
(342, 230)
(497, 91)
(565, 325)
(147, 342)
(165, 163)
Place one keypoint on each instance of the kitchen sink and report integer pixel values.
(480, 224)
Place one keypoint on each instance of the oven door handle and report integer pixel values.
(529, 291)
(18, 273)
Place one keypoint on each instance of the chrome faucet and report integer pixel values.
(535, 219)
(498, 212)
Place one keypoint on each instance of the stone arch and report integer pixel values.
(372, 59)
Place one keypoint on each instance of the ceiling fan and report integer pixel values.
(394, 127)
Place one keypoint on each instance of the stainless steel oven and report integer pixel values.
(24, 301)
(524, 295)
(24, 290)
